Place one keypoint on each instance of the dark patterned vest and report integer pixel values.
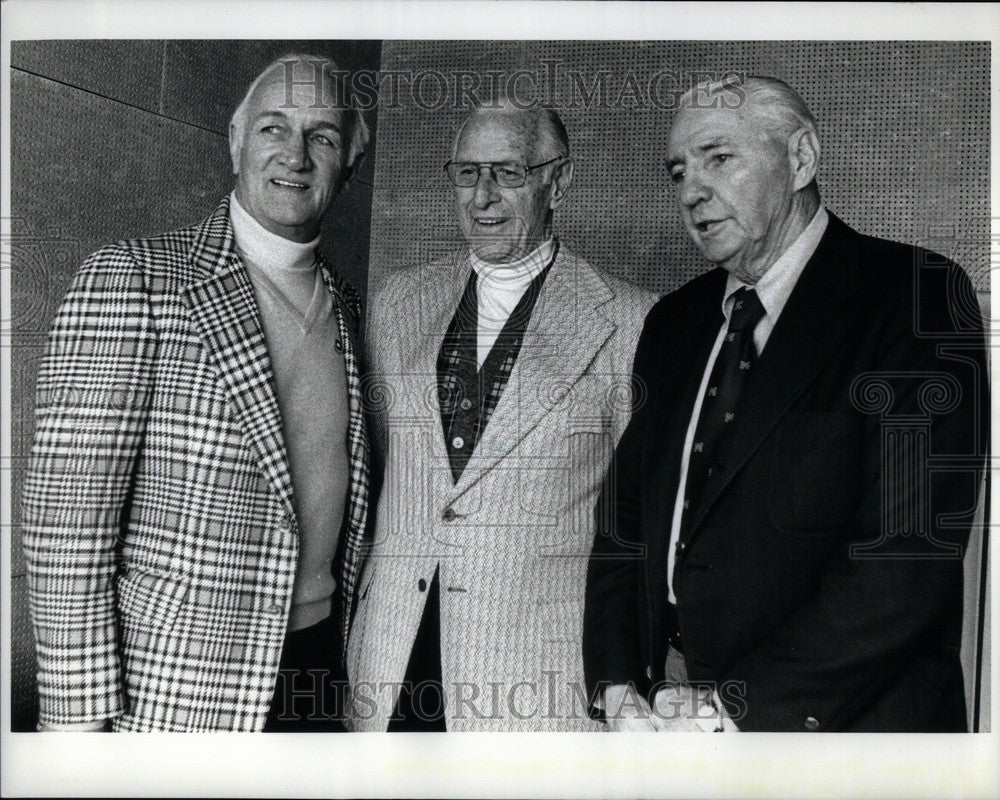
(468, 395)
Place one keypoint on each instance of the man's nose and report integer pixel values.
(295, 153)
(694, 188)
(486, 188)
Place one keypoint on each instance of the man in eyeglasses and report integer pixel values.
(505, 370)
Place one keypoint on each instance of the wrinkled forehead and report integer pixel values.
(496, 136)
(299, 86)
(694, 126)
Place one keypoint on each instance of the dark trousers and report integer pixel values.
(420, 707)
(310, 692)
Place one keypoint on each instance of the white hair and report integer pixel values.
(359, 133)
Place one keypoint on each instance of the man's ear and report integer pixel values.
(803, 155)
(561, 180)
(235, 146)
(351, 170)
(356, 152)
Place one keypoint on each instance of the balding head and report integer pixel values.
(541, 129)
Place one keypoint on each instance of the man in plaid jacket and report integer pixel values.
(198, 485)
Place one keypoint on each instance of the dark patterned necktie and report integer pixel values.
(725, 385)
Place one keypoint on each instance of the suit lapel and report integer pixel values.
(812, 323)
(563, 336)
(225, 313)
(423, 317)
(678, 385)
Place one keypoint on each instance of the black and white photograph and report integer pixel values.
(498, 385)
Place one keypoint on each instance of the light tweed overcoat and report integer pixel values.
(159, 529)
(511, 538)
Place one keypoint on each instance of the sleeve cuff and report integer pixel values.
(94, 725)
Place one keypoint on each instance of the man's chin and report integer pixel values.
(495, 252)
(720, 255)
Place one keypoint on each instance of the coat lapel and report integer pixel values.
(812, 323)
(224, 311)
(422, 315)
(564, 333)
(677, 388)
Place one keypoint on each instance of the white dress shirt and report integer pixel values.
(500, 287)
(773, 289)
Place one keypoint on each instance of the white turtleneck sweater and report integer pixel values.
(500, 289)
(310, 383)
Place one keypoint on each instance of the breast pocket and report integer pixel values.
(815, 472)
(150, 600)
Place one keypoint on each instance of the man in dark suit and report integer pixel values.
(782, 527)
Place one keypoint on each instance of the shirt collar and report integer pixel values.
(523, 271)
(265, 249)
(775, 287)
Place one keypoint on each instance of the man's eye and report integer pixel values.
(270, 129)
(319, 138)
(507, 173)
(721, 158)
(468, 172)
(677, 175)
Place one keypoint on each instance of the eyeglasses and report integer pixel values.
(505, 174)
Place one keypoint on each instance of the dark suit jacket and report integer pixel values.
(820, 582)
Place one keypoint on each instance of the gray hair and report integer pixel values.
(765, 97)
(543, 128)
(359, 133)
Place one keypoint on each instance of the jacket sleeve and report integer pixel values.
(92, 400)
(615, 599)
(832, 658)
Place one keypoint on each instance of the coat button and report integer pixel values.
(285, 524)
(338, 346)
(449, 514)
(649, 671)
(458, 443)
(422, 585)
(466, 404)
(274, 609)
(812, 723)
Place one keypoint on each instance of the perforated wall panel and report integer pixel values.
(904, 128)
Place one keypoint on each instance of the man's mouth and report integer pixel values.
(709, 226)
(490, 221)
(289, 184)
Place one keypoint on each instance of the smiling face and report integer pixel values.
(736, 183)
(289, 158)
(503, 225)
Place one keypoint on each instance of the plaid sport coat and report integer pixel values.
(159, 529)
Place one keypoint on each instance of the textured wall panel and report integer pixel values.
(23, 696)
(128, 71)
(904, 128)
